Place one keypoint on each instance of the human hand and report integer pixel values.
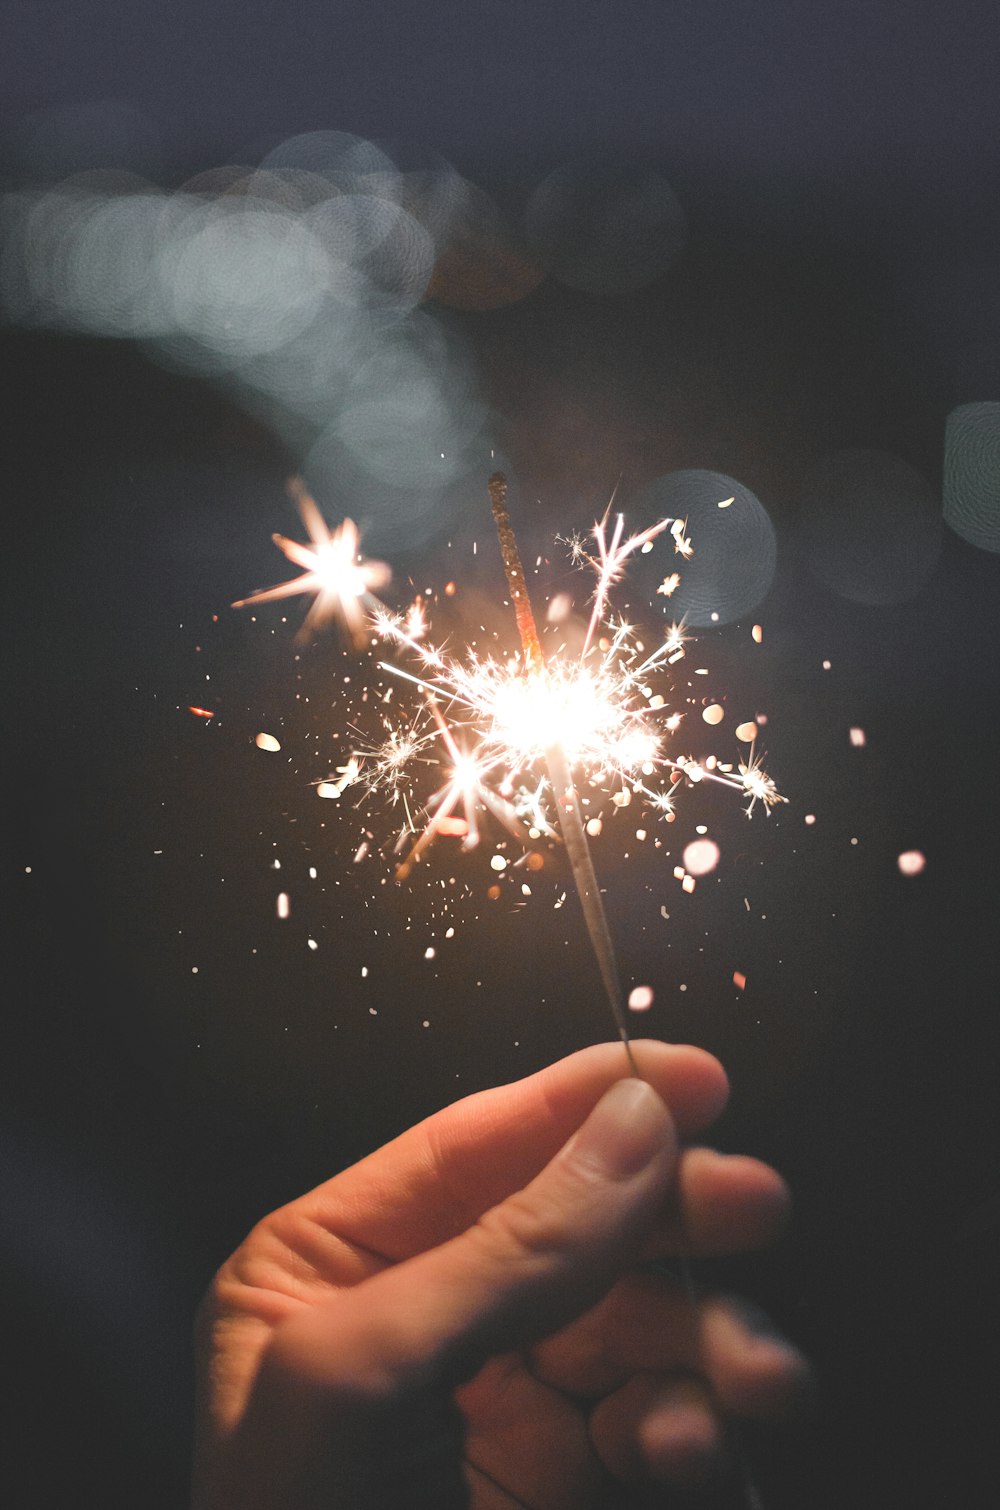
(469, 1316)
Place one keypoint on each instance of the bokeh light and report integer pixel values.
(338, 156)
(243, 277)
(972, 474)
(870, 526)
(603, 228)
(701, 857)
(309, 287)
(734, 547)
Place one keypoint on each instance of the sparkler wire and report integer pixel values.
(567, 801)
(581, 864)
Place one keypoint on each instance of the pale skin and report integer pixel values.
(471, 1316)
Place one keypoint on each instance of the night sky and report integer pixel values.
(176, 1059)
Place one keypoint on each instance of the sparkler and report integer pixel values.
(500, 723)
(567, 799)
(516, 738)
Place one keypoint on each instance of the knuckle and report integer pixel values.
(524, 1232)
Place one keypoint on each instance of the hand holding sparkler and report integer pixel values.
(468, 1317)
(505, 728)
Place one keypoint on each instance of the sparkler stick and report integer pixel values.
(567, 801)
(575, 838)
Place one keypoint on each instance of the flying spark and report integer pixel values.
(333, 568)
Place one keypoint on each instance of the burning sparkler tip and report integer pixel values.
(497, 486)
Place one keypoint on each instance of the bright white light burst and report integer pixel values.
(343, 581)
(489, 725)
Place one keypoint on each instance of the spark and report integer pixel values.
(343, 581)
(467, 786)
(682, 542)
(416, 620)
(757, 784)
(609, 562)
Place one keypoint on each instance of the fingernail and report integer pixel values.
(626, 1130)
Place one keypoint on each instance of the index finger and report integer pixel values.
(436, 1179)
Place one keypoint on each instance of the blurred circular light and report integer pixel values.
(110, 273)
(605, 228)
(870, 527)
(378, 254)
(972, 474)
(911, 862)
(338, 156)
(734, 550)
(701, 856)
(243, 278)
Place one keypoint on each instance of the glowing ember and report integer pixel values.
(266, 742)
(858, 738)
(701, 856)
(640, 998)
(911, 862)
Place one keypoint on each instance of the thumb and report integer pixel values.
(342, 1381)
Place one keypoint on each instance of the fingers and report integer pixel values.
(439, 1177)
(725, 1203)
(754, 1371)
(656, 1430)
(365, 1368)
(663, 1376)
(526, 1267)
(646, 1325)
(672, 1428)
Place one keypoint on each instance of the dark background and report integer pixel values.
(839, 289)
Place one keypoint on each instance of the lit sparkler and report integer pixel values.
(516, 739)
